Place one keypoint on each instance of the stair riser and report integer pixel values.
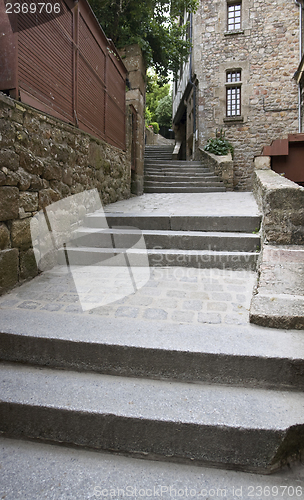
(234, 261)
(129, 361)
(246, 449)
(184, 190)
(178, 222)
(206, 261)
(179, 173)
(170, 184)
(173, 163)
(181, 178)
(180, 242)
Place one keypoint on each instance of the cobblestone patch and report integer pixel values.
(173, 295)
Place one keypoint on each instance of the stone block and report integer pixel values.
(21, 234)
(29, 201)
(9, 159)
(4, 237)
(262, 162)
(31, 164)
(7, 133)
(24, 179)
(9, 265)
(46, 197)
(2, 178)
(67, 176)
(281, 202)
(9, 203)
(28, 266)
(52, 171)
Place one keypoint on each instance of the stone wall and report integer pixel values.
(134, 62)
(223, 166)
(266, 50)
(281, 202)
(43, 160)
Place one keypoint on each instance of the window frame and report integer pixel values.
(231, 28)
(233, 87)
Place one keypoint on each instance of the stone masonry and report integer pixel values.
(43, 160)
(266, 49)
(266, 52)
(135, 98)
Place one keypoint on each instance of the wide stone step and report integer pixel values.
(185, 240)
(176, 168)
(181, 172)
(256, 428)
(180, 184)
(174, 165)
(246, 355)
(182, 178)
(178, 163)
(170, 189)
(202, 259)
(223, 223)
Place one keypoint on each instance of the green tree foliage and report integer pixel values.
(153, 24)
(164, 111)
(156, 89)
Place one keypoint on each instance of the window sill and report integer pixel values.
(233, 119)
(234, 32)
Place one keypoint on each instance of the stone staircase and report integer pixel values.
(171, 240)
(164, 175)
(225, 396)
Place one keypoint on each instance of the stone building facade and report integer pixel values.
(239, 78)
(135, 99)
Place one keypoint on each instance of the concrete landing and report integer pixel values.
(227, 203)
(35, 471)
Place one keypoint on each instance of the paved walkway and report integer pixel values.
(227, 203)
(173, 294)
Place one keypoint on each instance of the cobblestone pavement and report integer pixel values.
(173, 294)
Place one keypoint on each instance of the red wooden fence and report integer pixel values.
(65, 66)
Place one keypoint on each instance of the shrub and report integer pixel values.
(155, 127)
(219, 145)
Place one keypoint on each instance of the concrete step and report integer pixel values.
(256, 428)
(55, 470)
(126, 237)
(181, 172)
(160, 157)
(174, 163)
(240, 355)
(163, 177)
(179, 184)
(203, 259)
(175, 168)
(189, 189)
(222, 223)
(178, 168)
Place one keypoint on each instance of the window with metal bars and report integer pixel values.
(233, 93)
(234, 16)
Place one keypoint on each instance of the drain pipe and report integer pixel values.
(193, 87)
(299, 3)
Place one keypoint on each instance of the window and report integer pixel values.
(234, 16)
(233, 93)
